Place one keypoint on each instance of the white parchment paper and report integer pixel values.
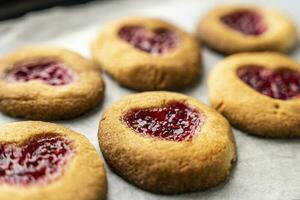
(267, 169)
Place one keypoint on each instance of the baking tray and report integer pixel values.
(15, 8)
(267, 169)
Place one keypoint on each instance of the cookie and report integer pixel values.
(232, 29)
(147, 54)
(46, 161)
(46, 83)
(167, 142)
(258, 93)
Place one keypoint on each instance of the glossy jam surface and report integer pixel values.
(175, 121)
(158, 41)
(38, 160)
(282, 83)
(48, 71)
(245, 21)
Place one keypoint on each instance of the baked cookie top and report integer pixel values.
(159, 133)
(47, 72)
(42, 82)
(261, 89)
(144, 53)
(231, 29)
(131, 115)
(41, 160)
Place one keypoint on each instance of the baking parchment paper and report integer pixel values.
(267, 169)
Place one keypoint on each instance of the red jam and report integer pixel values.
(158, 41)
(245, 21)
(48, 71)
(174, 121)
(37, 160)
(279, 84)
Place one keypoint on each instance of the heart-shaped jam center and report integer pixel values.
(158, 41)
(282, 83)
(174, 121)
(38, 160)
(48, 71)
(245, 21)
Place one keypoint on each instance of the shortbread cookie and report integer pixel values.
(232, 29)
(167, 142)
(41, 160)
(258, 93)
(147, 54)
(48, 83)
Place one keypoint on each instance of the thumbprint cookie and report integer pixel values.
(48, 83)
(147, 54)
(167, 142)
(232, 29)
(40, 160)
(258, 93)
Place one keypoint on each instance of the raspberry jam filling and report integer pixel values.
(245, 21)
(174, 121)
(282, 83)
(38, 160)
(48, 71)
(158, 41)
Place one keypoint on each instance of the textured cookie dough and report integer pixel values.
(163, 166)
(280, 34)
(248, 109)
(82, 179)
(140, 70)
(37, 100)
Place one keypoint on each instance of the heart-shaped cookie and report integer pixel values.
(147, 54)
(242, 28)
(160, 141)
(43, 83)
(258, 93)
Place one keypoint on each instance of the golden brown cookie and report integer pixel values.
(258, 93)
(46, 161)
(42, 82)
(167, 142)
(231, 29)
(147, 54)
